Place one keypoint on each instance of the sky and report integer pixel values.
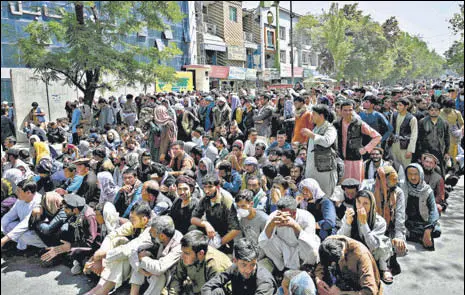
(426, 19)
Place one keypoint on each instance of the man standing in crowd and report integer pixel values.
(405, 134)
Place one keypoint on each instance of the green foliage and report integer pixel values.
(455, 54)
(96, 43)
(351, 45)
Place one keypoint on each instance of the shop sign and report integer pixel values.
(236, 73)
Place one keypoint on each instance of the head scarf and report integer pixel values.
(302, 284)
(28, 172)
(314, 187)
(51, 203)
(419, 190)
(235, 103)
(37, 138)
(355, 233)
(240, 143)
(84, 148)
(162, 118)
(108, 189)
(210, 169)
(385, 196)
(14, 176)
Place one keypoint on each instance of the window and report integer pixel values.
(270, 39)
(282, 33)
(305, 58)
(233, 14)
(313, 60)
(282, 56)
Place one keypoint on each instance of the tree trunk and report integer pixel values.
(79, 9)
(92, 78)
(89, 96)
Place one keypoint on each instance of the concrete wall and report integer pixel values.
(26, 90)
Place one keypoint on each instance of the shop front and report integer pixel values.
(218, 75)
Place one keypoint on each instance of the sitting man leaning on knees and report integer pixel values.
(346, 267)
(199, 263)
(157, 261)
(422, 214)
(390, 204)
(111, 261)
(289, 239)
(78, 234)
(221, 223)
(245, 275)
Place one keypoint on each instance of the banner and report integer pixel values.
(184, 82)
(236, 73)
(219, 72)
(270, 74)
(251, 75)
(236, 53)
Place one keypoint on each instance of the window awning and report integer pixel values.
(215, 43)
(159, 44)
(251, 45)
(168, 34)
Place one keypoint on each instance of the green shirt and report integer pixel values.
(214, 263)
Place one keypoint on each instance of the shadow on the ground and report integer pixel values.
(30, 266)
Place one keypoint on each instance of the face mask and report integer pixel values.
(242, 213)
(203, 172)
(437, 92)
(36, 178)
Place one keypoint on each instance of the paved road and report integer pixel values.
(423, 272)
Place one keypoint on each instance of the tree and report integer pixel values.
(455, 53)
(454, 56)
(391, 30)
(96, 43)
(457, 22)
(338, 43)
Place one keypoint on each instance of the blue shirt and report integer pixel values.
(75, 119)
(235, 185)
(378, 122)
(286, 146)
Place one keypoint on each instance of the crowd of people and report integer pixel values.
(299, 191)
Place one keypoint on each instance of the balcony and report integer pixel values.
(248, 36)
(209, 28)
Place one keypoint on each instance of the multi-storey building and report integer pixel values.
(16, 15)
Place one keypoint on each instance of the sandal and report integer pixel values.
(387, 277)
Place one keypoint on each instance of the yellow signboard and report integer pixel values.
(184, 82)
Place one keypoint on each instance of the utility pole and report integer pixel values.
(278, 56)
(292, 48)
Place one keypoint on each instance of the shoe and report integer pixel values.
(76, 269)
(394, 266)
(386, 277)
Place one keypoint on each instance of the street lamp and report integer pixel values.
(270, 18)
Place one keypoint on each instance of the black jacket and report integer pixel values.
(8, 129)
(260, 283)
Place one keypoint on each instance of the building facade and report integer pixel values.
(18, 85)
